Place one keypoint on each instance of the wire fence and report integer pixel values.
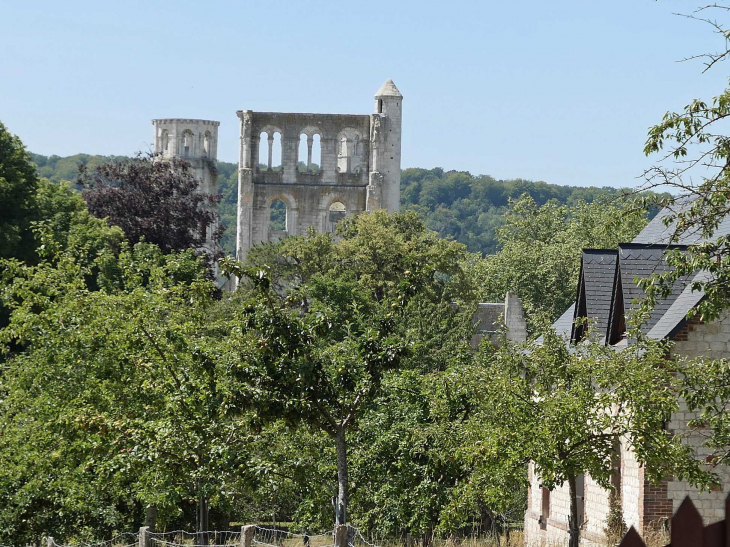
(275, 537)
(182, 538)
(247, 536)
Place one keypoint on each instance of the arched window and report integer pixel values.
(276, 152)
(343, 156)
(316, 154)
(355, 156)
(187, 142)
(336, 213)
(206, 144)
(165, 141)
(270, 151)
(277, 220)
(304, 158)
(263, 151)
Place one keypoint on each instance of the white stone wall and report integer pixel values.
(711, 341)
(596, 509)
(632, 483)
(360, 162)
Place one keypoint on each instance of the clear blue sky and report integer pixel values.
(559, 91)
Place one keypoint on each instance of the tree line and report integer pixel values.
(454, 204)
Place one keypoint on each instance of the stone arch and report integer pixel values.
(186, 143)
(309, 150)
(164, 141)
(270, 148)
(329, 205)
(291, 211)
(207, 142)
(349, 150)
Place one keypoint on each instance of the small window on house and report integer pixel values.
(337, 212)
(277, 216)
(380, 106)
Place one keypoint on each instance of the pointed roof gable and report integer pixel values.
(639, 261)
(388, 89)
(595, 286)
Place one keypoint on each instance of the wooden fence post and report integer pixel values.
(632, 539)
(341, 535)
(247, 535)
(144, 537)
(687, 527)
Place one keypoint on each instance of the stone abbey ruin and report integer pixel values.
(358, 169)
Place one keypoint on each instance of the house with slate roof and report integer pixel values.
(606, 295)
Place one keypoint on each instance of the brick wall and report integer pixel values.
(657, 505)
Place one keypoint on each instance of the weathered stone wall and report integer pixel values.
(359, 168)
(195, 141)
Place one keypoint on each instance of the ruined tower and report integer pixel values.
(357, 169)
(195, 141)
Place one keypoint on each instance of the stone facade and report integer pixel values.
(497, 320)
(644, 505)
(359, 168)
(195, 141)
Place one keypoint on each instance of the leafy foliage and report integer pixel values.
(18, 184)
(157, 201)
(455, 204)
(541, 249)
(340, 319)
(565, 409)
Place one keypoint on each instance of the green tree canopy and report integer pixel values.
(541, 249)
(347, 310)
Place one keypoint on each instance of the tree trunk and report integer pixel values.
(202, 517)
(150, 517)
(573, 530)
(342, 484)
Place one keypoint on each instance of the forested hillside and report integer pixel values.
(455, 204)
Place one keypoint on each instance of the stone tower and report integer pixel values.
(358, 171)
(389, 109)
(195, 141)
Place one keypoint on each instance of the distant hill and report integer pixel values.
(455, 204)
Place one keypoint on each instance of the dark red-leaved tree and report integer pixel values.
(152, 199)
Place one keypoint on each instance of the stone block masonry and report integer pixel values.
(358, 171)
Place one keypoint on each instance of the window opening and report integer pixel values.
(316, 153)
(277, 217)
(206, 144)
(275, 150)
(337, 212)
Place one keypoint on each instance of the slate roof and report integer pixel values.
(595, 285)
(656, 232)
(564, 324)
(676, 316)
(639, 261)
